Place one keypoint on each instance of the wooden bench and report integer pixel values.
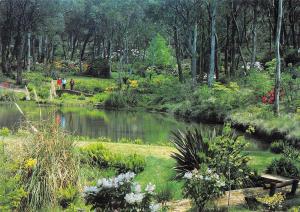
(276, 182)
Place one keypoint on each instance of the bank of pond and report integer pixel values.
(109, 143)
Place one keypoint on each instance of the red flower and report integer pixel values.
(264, 99)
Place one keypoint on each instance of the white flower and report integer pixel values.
(133, 198)
(208, 171)
(207, 178)
(107, 183)
(150, 188)
(154, 207)
(137, 188)
(90, 189)
(188, 175)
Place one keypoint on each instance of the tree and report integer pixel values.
(159, 53)
(213, 8)
(278, 62)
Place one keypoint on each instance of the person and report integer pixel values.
(64, 83)
(72, 83)
(59, 83)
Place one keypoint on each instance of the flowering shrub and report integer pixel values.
(272, 203)
(203, 185)
(121, 193)
(269, 98)
(133, 83)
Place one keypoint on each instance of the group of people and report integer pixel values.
(62, 83)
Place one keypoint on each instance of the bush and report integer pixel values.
(99, 68)
(12, 191)
(67, 196)
(277, 147)
(283, 167)
(119, 193)
(115, 100)
(203, 185)
(97, 154)
(134, 163)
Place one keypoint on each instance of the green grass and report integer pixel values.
(259, 160)
(159, 172)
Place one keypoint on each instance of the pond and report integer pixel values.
(152, 128)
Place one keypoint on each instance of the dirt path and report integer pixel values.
(9, 87)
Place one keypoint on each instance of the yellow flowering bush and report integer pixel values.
(110, 89)
(30, 163)
(133, 83)
(274, 202)
(58, 64)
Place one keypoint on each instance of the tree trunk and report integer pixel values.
(254, 36)
(278, 62)
(28, 51)
(19, 47)
(73, 47)
(194, 52)
(227, 46)
(177, 50)
(40, 48)
(83, 49)
(213, 43)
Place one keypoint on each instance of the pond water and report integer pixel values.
(150, 127)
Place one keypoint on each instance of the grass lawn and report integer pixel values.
(259, 160)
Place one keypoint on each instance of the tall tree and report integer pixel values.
(278, 60)
(213, 8)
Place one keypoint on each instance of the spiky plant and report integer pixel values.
(192, 151)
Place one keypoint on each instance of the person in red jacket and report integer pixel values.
(59, 82)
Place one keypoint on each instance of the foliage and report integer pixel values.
(159, 53)
(99, 68)
(98, 155)
(120, 193)
(11, 190)
(193, 151)
(230, 160)
(203, 185)
(291, 153)
(273, 203)
(259, 82)
(283, 167)
(51, 164)
(67, 196)
(277, 147)
(121, 99)
(164, 195)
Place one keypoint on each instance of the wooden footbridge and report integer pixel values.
(73, 92)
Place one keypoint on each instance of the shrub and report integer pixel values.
(11, 190)
(203, 185)
(99, 68)
(273, 203)
(291, 153)
(134, 163)
(115, 100)
(66, 196)
(277, 147)
(97, 154)
(192, 150)
(120, 192)
(51, 164)
(283, 167)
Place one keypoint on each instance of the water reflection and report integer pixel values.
(150, 127)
